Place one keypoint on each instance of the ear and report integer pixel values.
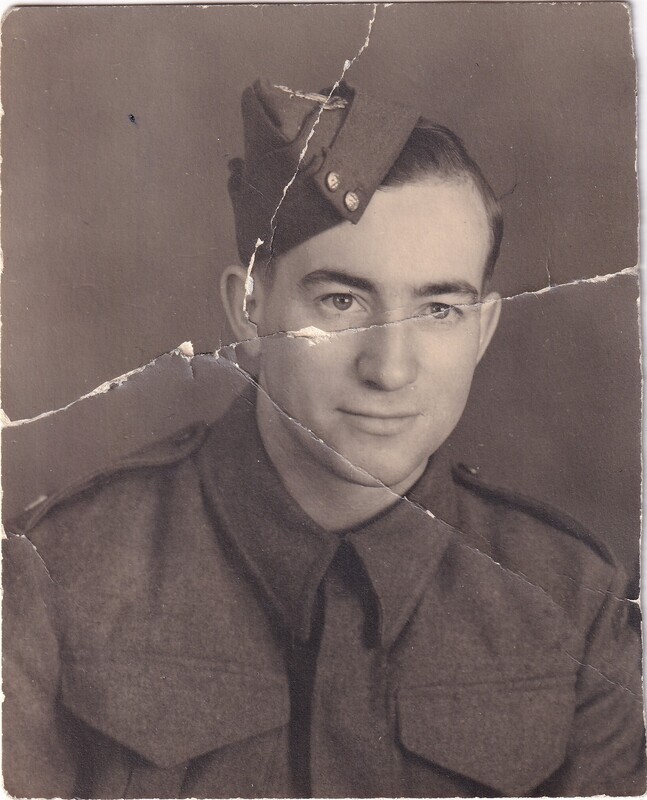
(238, 306)
(490, 313)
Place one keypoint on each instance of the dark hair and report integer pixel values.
(433, 150)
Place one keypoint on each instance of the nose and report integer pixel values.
(387, 358)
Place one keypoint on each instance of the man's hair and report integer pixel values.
(434, 151)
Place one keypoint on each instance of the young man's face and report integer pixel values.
(399, 295)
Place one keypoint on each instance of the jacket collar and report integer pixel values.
(287, 553)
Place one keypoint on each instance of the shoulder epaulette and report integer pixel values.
(162, 453)
(555, 517)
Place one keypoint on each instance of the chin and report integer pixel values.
(365, 469)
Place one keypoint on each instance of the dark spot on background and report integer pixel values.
(131, 117)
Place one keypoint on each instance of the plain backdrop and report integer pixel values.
(118, 127)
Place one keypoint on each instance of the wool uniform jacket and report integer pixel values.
(177, 626)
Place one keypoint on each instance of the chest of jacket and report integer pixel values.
(190, 696)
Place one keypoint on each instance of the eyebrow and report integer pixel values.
(448, 287)
(320, 276)
(337, 276)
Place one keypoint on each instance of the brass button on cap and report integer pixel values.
(332, 181)
(351, 201)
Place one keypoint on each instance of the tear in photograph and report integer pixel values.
(322, 401)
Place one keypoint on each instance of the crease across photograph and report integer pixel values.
(321, 402)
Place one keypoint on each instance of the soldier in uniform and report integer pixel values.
(305, 598)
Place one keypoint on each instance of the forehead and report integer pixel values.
(431, 230)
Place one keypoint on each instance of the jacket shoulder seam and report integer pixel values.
(164, 453)
(544, 512)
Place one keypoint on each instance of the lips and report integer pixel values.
(379, 424)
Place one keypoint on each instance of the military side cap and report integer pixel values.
(311, 161)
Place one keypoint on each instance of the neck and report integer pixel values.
(331, 491)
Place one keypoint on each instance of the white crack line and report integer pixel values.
(316, 335)
(249, 282)
(185, 350)
(310, 334)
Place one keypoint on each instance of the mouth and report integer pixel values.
(379, 424)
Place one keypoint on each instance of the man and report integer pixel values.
(303, 599)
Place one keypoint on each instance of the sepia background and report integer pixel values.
(118, 127)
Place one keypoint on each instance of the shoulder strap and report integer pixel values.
(468, 477)
(170, 450)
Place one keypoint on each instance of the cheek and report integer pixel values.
(299, 374)
(454, 350)
(447, 364)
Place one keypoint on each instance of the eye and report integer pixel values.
(339, 301)
(440, 310)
